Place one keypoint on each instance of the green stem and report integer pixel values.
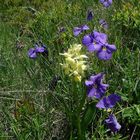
(79, 128)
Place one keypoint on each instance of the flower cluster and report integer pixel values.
(96, 89)
(75, 63)
(98, 42)
(39, 48)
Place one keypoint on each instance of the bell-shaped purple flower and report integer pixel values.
(103, 23)
(79, 30)
(89, 15)
(94, 41)
(106, 3)
(105, 52)
(108, 102)
(112, 123)
(95, 87)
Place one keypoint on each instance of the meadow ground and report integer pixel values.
(38, 99)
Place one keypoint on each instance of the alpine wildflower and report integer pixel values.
(105, 51)
(38, 48)
(108, 102)
(80, 29)
(75, 62)
(112, 123)
(95, 86)
(94, 41)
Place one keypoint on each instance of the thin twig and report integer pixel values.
(133, 133)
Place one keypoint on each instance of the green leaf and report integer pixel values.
(88, 116)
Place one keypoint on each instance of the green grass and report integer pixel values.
(30, 109)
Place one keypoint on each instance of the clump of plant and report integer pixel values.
(128, 15)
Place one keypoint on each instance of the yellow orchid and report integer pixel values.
(75, 62)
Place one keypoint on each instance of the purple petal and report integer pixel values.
(95, 34)
(99, 94)
(111, 48)
(107, 3)
(114, 98)
(77, 31)
(96, 78)
(100, 37)
(39, 49)
(103, 87)
(100, 104)
(112, 123)
(97, 46)
(85, 27)
(104, 55)
(87, 39)
(32, 53)
(88, 83)
(101, 1)
(91, 48)
(92, 92)
(103, 38)
(95, 92)
(109, 101)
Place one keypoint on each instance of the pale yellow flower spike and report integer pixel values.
(75, 62)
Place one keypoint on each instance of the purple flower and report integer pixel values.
(105, 52)
(32, 53)
(79, 30)
(112, 123)
(108, 102)
(89, 15)
(95, 86)
(38, 48)
(106, 3)
(103, 23)
(94, 41)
